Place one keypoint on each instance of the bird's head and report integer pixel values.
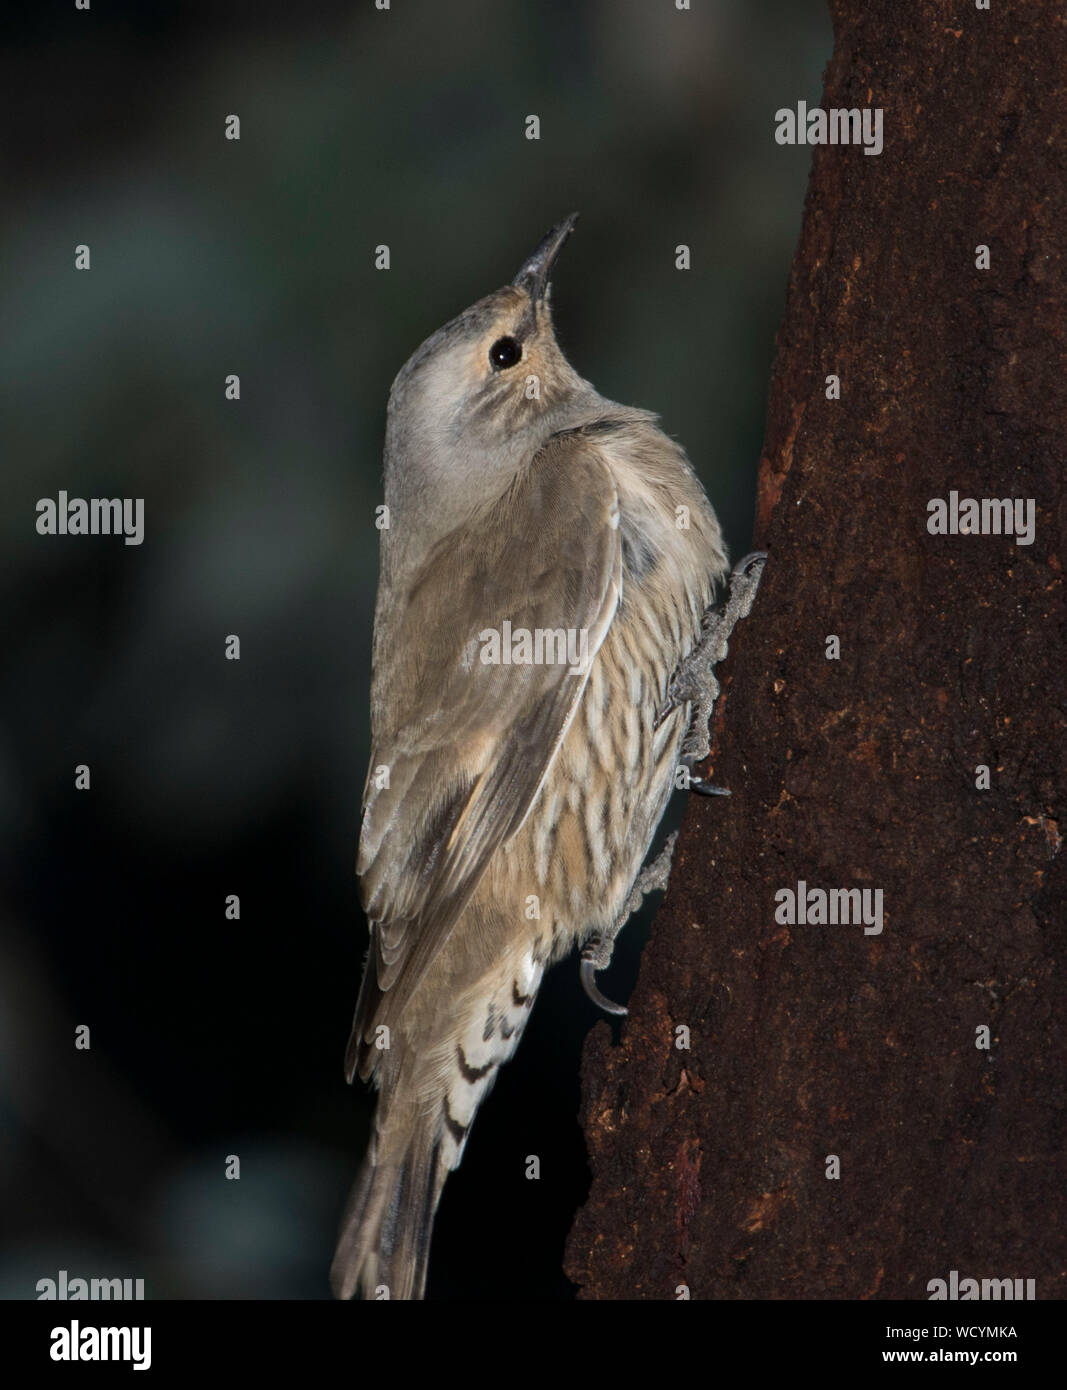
(482, 394)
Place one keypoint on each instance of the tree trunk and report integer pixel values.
(712, 1166)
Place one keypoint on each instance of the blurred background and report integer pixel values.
(213, 1037)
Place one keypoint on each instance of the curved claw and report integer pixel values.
(697, 784)
(587, 974)
(745, 563)
(667, 708)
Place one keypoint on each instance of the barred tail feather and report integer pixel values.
(388, 1222)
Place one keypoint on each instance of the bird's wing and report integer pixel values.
(467, 744)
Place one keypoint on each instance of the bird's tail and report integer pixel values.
(428, 1098)
(385, 1235)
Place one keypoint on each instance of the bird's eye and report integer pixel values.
(504, 353)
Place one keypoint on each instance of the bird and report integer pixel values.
(515, 786)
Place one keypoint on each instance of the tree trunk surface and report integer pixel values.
(712, 1165)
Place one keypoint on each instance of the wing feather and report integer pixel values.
(468, 744)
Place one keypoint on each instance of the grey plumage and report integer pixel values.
(543, 505)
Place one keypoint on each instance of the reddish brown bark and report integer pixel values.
(807, 1041)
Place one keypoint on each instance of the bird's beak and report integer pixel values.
(533, 277)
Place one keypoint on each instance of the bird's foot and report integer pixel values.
(694, 682)
(597, 954)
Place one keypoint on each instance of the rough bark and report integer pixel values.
(710, 1164)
